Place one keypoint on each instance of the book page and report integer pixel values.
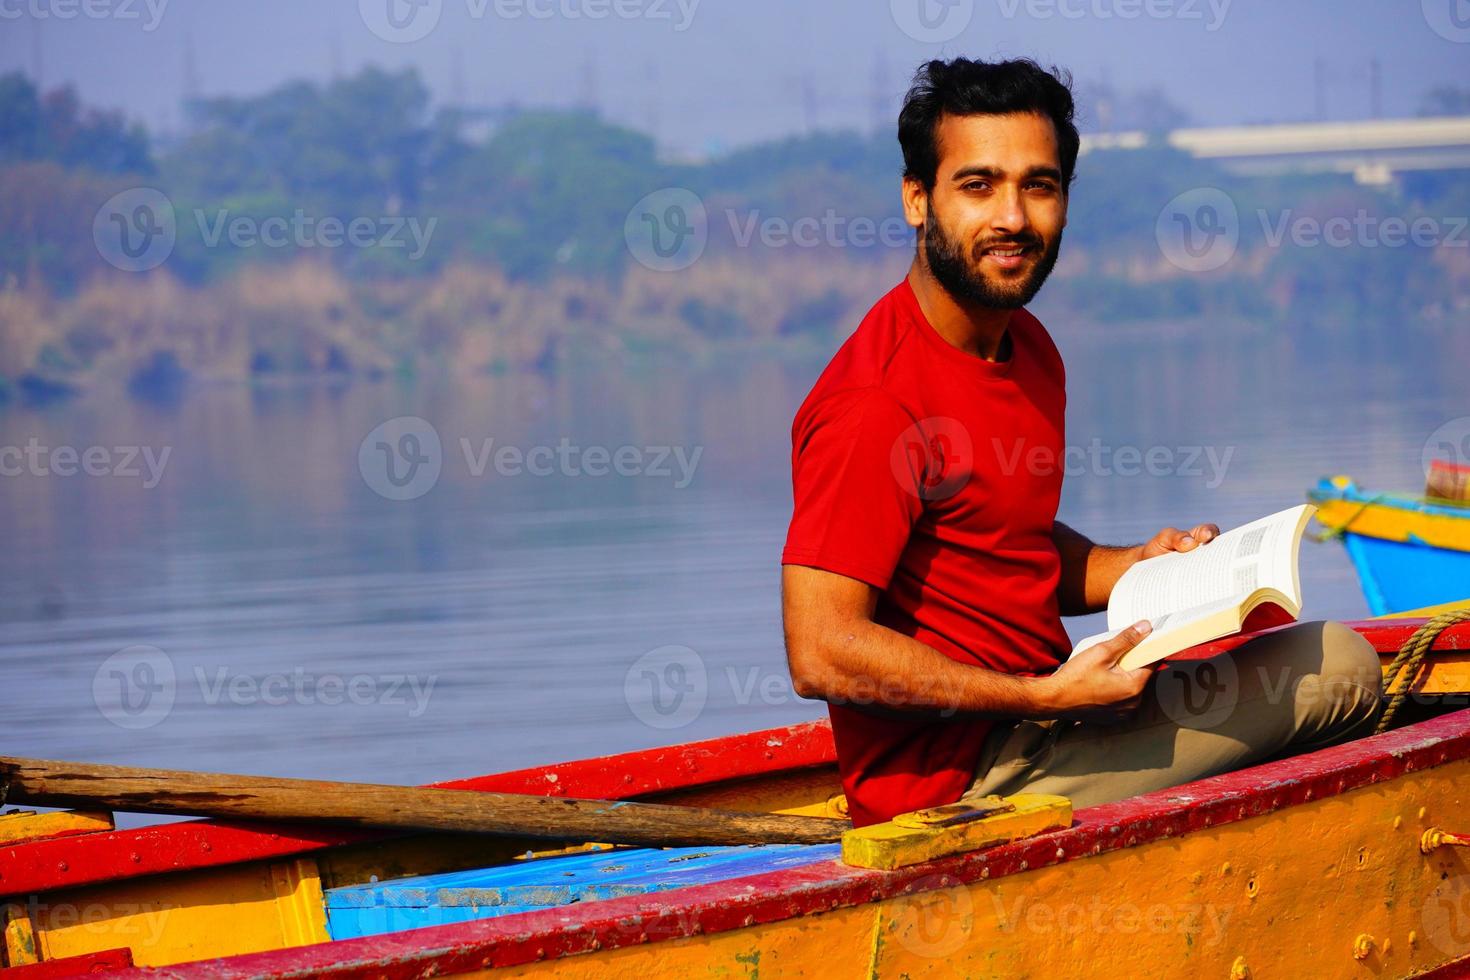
(1162, 625)
(1260, 554)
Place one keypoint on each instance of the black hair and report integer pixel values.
(963, 88)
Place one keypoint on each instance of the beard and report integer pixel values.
(961, 276)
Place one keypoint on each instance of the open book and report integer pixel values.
(1245, 579)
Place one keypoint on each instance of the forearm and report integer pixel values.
(1089, 570)
(877, 669)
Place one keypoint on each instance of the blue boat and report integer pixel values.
(1409, 551)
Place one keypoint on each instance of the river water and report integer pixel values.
(258, 602)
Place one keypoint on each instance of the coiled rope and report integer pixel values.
(1406, 662)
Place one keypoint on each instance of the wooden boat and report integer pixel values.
(1408, 551)
(1342, 862)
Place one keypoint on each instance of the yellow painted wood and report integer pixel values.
(904, 842)
(1393, 524)
(1443, 671)
(815, 792)
(300, 906)
(20, 936)
(25, 825)
(166, 919)
(1281, 895)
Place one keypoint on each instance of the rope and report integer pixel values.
(1406, 662)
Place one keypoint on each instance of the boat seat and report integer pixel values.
(374, 908)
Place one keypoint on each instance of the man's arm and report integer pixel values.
(1089, 570)
(837, 653)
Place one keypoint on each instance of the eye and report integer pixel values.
(975, 185)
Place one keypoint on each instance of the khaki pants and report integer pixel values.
(1303, 688)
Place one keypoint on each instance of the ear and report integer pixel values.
(915, 203)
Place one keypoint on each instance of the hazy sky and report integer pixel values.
(717, 73)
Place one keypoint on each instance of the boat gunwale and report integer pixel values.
(823, 886)
(1354, 494)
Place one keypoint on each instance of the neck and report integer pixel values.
(974, 329)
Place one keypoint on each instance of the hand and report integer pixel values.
(1173, 539)
(1092, 687)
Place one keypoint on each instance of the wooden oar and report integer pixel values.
(44, 783)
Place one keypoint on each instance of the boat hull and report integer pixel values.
(1407, 574)
(1310, 865)
(1407, 552)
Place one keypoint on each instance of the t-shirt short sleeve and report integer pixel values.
(855, 490)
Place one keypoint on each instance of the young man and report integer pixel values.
(925, 574)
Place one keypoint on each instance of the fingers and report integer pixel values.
(1125, 641)
(1205, 533)
(1173, 539)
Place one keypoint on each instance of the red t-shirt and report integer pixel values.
(933, 475)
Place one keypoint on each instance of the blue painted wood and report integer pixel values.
(408, 903)
(1398, 575)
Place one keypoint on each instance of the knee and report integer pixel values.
(1344, 694)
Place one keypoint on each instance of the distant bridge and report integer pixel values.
(1372, 150)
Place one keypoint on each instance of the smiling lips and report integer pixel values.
(1006, 256)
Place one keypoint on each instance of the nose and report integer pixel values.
(1009, 214)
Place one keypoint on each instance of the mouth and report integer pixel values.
(1007, 256)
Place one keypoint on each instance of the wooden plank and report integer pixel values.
(51, 783)
(43, 865)
(891, 845)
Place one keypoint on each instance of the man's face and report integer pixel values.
(992, 226)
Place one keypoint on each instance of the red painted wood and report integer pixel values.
(591, 926)
(1456, 970)
(43, 865)
(71, 966)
